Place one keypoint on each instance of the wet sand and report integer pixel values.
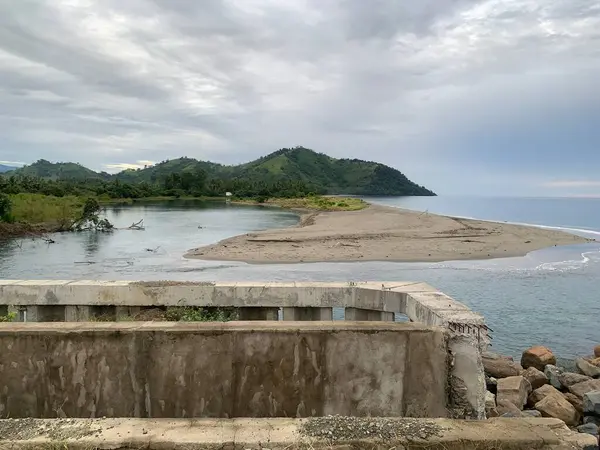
(381, 233)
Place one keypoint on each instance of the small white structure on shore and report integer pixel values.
(228, 195)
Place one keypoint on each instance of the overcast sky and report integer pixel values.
(497, 97)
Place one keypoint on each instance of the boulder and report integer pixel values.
(575, 401)
(552, 373)
(538, 357)
(542, 392)
(558, 407)
(567, 379)
(591, 403)
(514, 390)
(597, 351)
(535, 377)
(587, 368)
(589, 428)
(531, 413)
(505, 407)
(498, 366)
(492, 355)
(595, 362)
(592, 419)
(580, 389)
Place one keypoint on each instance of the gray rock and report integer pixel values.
(535, 377)
(592, 419)
(588, 428)
(580, 389)
(568, 379)
(591, 403)
(587, 368)
(552, 373)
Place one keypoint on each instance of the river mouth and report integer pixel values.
(546, 297)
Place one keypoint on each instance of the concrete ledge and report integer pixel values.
(288, 434)
(47, 300)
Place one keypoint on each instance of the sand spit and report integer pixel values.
(380, 233)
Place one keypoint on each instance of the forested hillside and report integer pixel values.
(284, 173)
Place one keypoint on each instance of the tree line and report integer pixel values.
(195, 184)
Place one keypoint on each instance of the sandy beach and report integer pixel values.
(380, 233)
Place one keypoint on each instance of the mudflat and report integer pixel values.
(380, 233)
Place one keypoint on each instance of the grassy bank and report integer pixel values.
(53, 213)
(316, 203)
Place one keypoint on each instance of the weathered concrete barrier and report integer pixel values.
(235, 369)
(56, 300)
(464, 334)
(329, 433)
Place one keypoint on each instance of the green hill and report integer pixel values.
(59, 171)
(160, 171)
(319, 172)
(331, 175)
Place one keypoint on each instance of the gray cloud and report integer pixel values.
(431, 87)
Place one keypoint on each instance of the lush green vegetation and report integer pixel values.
(314, 202)
(10, 317)
(60, 212)
(49, 213)
(287, 173)
(67, 195)
(200, 314)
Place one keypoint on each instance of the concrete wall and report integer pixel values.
(419, 301)
(236, 369)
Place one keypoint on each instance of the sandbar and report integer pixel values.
(381, 233)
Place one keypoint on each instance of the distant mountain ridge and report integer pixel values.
(325, 174)
(4, 168)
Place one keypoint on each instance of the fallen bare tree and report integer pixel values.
(137, 225)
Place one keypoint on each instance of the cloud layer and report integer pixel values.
(492, 96)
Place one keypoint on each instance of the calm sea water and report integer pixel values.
(549, 297)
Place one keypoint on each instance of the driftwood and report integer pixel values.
(137, 225)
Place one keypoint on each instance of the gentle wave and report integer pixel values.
(571, 230)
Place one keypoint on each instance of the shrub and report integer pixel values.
(5, 208)
(199, 314)
(10, 317)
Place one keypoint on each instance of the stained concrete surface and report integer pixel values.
(236, 369)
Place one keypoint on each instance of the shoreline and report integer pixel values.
(383, 233)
